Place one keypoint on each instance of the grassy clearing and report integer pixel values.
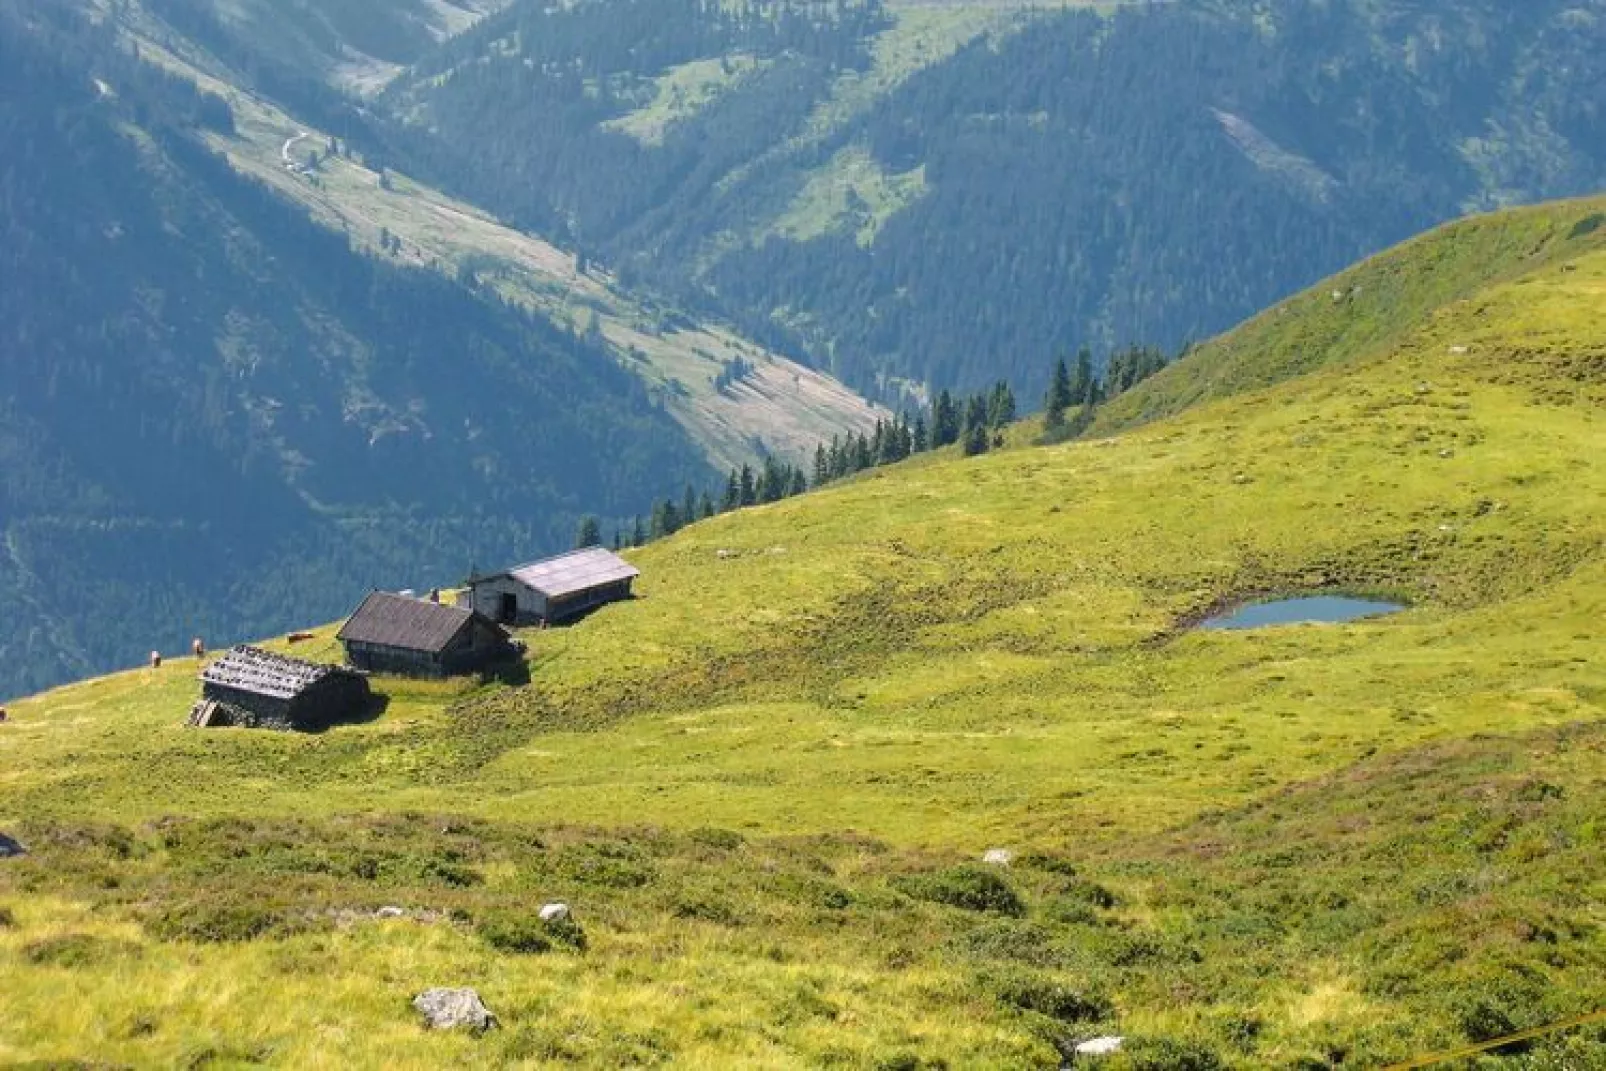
(683, 91)
(852, 192)
(765, 785)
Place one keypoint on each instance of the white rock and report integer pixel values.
(555, 913)
(449, 1009)
(1104, 1046)
(390, 912)
(998, 856)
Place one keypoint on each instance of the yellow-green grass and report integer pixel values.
(1344, 843)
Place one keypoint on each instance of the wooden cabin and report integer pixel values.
(256, 689)
(552, 590)
(418, 638)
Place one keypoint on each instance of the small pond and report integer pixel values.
(1316, 609)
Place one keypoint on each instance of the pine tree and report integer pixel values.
(800, 483)
(733, 493)
(705, 508)
(618, 539)
(944, 420)
(688, 507)
(822, 466)
(974, 440)
(1001, 406)
(1059, 397)
(748, 490)
(590, 533)
(862, 458)
(921, 441)
(1084, 387)
(638, 534)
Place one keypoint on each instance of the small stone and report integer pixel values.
(9, 848)
(997, 856)
(390, 911)
(1240, 478)
(1446, 453)
(450, 1009)
(1458, 350)
(1105, 1046)
(555, 913)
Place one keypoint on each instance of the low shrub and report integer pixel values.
(528, 935)
(970, 887)
(1169, 1054)
(1056, 999)
(209, 922)
(76, 950)
(7, 919)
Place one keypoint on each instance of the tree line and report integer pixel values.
(975, 423)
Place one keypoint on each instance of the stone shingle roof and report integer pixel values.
(251, 669)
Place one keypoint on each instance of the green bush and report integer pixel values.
(1055, 999)
(970, 887)
(7, 919)
(528, 935)
(76, 950)
(1169, 1054)
(210, 922)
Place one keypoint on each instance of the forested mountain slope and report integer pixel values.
(861, 184)
(303, 129)
(765, 787)
(216, 418)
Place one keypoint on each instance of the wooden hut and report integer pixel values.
(554, 589)
(417, 638)
(257, 689)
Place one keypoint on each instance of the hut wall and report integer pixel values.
(337, 697)
(486, 597)
(581, 601)
(406, 662)
(250, 710)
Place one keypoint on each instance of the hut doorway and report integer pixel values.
(508, 612)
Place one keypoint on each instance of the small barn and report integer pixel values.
(554, 589)
(418, 638)
(257, 689)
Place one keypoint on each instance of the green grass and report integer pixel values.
(765, 785)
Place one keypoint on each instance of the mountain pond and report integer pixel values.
(1315, 609)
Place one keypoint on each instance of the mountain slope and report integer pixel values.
(288, 122)
(1015, 184)
(218, 418)
(763, 785)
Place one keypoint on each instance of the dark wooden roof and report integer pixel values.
(578, 570)
(251, 669)
(411, 624)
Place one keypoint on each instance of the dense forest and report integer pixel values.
(1154, 173)
(216, 418)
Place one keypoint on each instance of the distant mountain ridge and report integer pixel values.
(217, 418)
(939, 198)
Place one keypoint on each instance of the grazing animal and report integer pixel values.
(197, 648)
(156, 660)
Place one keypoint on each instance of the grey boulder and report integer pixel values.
(9, 847)
(451, 1009)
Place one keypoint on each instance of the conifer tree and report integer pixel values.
(590, 533)
(1084, 387)
(800, 483)
(705, 508)
(822, 466)
(862, 458)
(945, 420)
(1059, 397)
(688, 506)
(748, 490)
(1001, 406)
(920, 442)
(733, 493)
(638, 534)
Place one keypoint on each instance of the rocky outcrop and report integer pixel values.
(453, 1009)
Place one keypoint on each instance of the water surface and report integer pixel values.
(1316, 609)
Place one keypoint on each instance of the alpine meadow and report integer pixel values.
(849, 534)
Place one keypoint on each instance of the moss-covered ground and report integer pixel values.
(765, 785)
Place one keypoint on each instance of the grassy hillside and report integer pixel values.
(766, 784)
